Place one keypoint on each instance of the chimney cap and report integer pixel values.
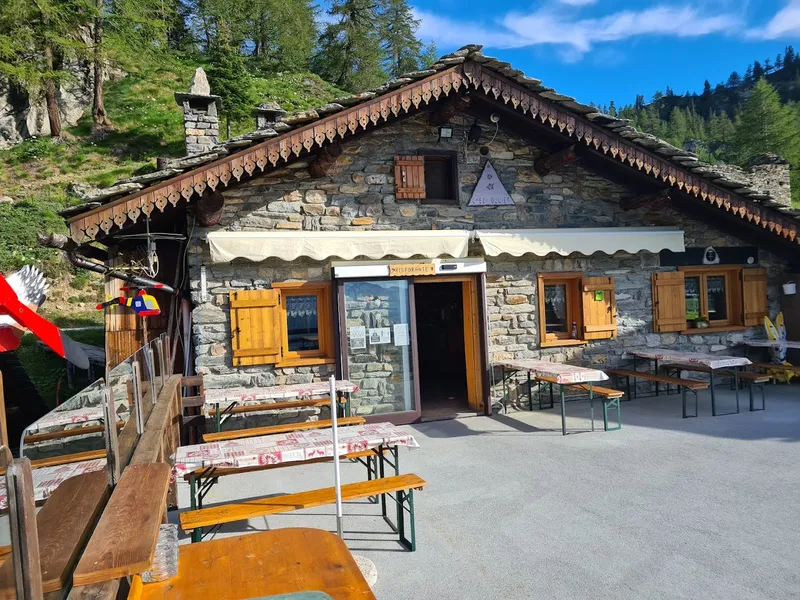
(199, 88)
(268, 109)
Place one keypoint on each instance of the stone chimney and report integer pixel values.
(267, 114)
(770, 173)
(200, 119)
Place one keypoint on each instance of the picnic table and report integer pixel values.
(47, 479)
(290, 448)
(559, 373)
(711, 362)
(263, 564)
(230, 397)
(70, 417)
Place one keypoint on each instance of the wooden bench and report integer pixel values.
(218, 413)
(273, 429)
(63, 524)
(124, 541)
(609, 397)
(401, 485)
(777, 369)
(33, 438)
(683, 384)
(739, 376)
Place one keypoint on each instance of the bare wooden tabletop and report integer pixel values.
(263, 564)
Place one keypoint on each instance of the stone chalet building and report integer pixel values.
(408, 237)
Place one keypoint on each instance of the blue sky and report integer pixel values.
(601, 50)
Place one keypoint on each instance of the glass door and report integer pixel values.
(377, 336)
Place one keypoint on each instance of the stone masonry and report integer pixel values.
(358, 193)
(200, 118)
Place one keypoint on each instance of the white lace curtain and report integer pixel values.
(555, 298)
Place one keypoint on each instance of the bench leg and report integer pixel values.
(713, 396)
(197, 534)
(591, 408)
(405, 502)
(763, 399)
(612, 403)
(563, 412)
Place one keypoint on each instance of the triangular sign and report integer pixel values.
(490, 190)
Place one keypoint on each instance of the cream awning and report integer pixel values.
(321, 245)
(586, 241)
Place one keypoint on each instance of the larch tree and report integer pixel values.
(123, 29)
(398, 32)
(349, 51)
(766, 125)
(282, 33)
(35, 37)
(429, 55)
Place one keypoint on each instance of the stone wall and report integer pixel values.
(767, 173)
(358, 194)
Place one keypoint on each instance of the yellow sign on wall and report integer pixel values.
(412, 270)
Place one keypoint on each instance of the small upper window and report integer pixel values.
(440, 184)
(433, 178)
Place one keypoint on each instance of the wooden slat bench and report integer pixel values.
(124, 541)
(273, 429)
(223, 414)
(33, 438)
(741, 377)
(777, 369)
(401, 485)
(63, 524)
(683, 384)
(609, 397)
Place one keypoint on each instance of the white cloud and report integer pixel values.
(785, 23)
(576, 37)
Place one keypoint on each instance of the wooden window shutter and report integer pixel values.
(599, 309)
(256, 330)
(754, 296)
(669, 302)
(409, 177)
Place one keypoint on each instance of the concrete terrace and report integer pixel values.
(665, 508)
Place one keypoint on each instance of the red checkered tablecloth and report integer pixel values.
(288, 447)
(712, 361)
(277, 392)
(563, 373)
(47, 479)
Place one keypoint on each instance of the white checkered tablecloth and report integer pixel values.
(288, 447)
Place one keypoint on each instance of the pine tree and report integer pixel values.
(429, 56)
(229, 78)
(612, 109)
(766, 125)
(720, 129)
(349, 49)
(398, 32)
(779, 62)
(678, 127)
(734, 81)
(748, 75)
(758, 71)
(789, 56)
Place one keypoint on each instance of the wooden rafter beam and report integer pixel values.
(644, 199)
(546, 164)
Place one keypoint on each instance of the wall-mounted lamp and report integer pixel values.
(445, 132)
(474, 132)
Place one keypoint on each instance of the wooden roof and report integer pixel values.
(465, 69)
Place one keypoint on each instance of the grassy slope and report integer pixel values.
(148, 123)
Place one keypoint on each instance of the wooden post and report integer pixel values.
(24, 535)
(110, 435)
(5, 451)
(137, 396)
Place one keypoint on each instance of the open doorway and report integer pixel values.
(441, 349)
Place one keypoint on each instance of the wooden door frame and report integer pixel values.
(474, 311)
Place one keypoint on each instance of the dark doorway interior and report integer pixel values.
(440, 349)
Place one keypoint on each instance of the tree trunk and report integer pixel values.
(50, 94)
(227, 128)
(99, 117)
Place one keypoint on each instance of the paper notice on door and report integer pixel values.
(401, 337)
(380, 335)
(358, 338)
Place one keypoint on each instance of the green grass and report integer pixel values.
(48, 371)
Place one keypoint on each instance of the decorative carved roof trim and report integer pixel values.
(599, 139)
(87, 226)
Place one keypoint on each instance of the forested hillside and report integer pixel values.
(733, 121)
